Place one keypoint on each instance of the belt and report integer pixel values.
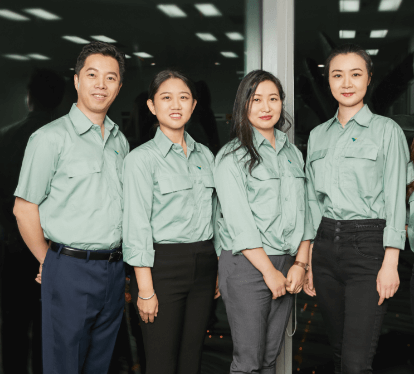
(83, 254)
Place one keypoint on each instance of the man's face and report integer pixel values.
(98, 83)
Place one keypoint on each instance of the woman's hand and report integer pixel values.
(308, 288)
(388, 280)
(38, 278)
(276, 282)
(217, 293)
(148, 309)
(295, 279)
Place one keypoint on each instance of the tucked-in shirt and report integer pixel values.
(169, 197)
(267, 208)
(359, 172)
(75, 176)
(410, 210)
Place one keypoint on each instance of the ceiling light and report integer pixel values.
(172, 11)
(321, 66)
(205, 36)
(143, 54)
(103, 38)
(372, 52)
(378, 33)
(208, 10)
(41, 13)
(75, 39)
(347, 34)
(12, 16)
(217, 63)
(234, 36)
(152, 63)
(389, 5)
(71, 68)
(38, 56)
(349, 5)
(229, 54)
(17, 57)
(127, 56)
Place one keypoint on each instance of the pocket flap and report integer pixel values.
(174, 183)
(208, 180)
(297, 172)
(263, 174)
(82, 167)
(318, 154)
(369, 152)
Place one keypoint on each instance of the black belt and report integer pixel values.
(82, 254)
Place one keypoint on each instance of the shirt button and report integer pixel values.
(338, 224)
(337, 229)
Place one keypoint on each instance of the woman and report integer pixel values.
(261, 187)
(168, 227)
(356, 171)
(410, 228)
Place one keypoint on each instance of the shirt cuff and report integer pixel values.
(30, 197)
(394, 238)
(247, 240)
(139, 258)
(309, 232)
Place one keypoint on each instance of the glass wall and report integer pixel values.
(385, 29)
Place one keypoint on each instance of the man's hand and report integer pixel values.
(295, 279)
(217, 293)
(276, 282)
(308, 288)
(38, 279)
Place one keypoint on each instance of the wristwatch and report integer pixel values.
(302, 265)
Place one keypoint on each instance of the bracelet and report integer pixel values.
(302, 265)
(147, 298)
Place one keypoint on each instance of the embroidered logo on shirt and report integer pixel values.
(353, 139)
(199, 167)
(290, 161)
(116, 152)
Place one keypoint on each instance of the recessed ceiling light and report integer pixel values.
(127, 56)
(372, 52)
(12, 16)
(17, 57)
(229, 54)
(234, 36)
(217, 63)
(38, 56)
(71, 68)
(75, 39)
(172, 11)
(143, 54)
(378, 33)
(208, 10)
(103, 38)
(347, 34)
(349, 5)
(321, 66)
(41, 13)
(207, 37)
(152, 63)
(389, 5)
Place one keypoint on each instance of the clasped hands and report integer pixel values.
(278, 284)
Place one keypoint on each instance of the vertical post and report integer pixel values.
(278, 47)
(278, 58)
(253, 36)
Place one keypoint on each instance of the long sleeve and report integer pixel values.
(396, 158)
(138, 196)
(231, 190)
(216, 217)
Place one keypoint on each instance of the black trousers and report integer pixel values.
(412, 292)
(184, 277)
(347, 256)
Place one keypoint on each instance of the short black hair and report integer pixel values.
(46, 89)
(101, 48)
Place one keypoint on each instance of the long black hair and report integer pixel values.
(241, 128)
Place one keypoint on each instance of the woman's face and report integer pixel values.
(173, 104)
(348, 79)
(266, 106)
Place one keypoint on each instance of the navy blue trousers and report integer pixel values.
(82, 306)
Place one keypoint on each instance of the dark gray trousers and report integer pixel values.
(257, 322)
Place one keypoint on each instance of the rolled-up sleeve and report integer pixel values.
(38, 168)
(315, 213)
(231, 190)
(396, 158)
(138, 247)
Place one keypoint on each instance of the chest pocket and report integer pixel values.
(176, 202)
(82, 168)
(317, 160)
(263, 190)
(360, 169)
(299, 179)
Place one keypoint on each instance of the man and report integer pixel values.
(70, 193)
(20, 332)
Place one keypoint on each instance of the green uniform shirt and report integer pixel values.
(410, 221)
(168, 197)
(359, 172)
(268, 208)
(75, 177)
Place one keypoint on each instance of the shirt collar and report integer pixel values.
(362, 118)
(82, 123)
(164, 143)
(281, 138)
